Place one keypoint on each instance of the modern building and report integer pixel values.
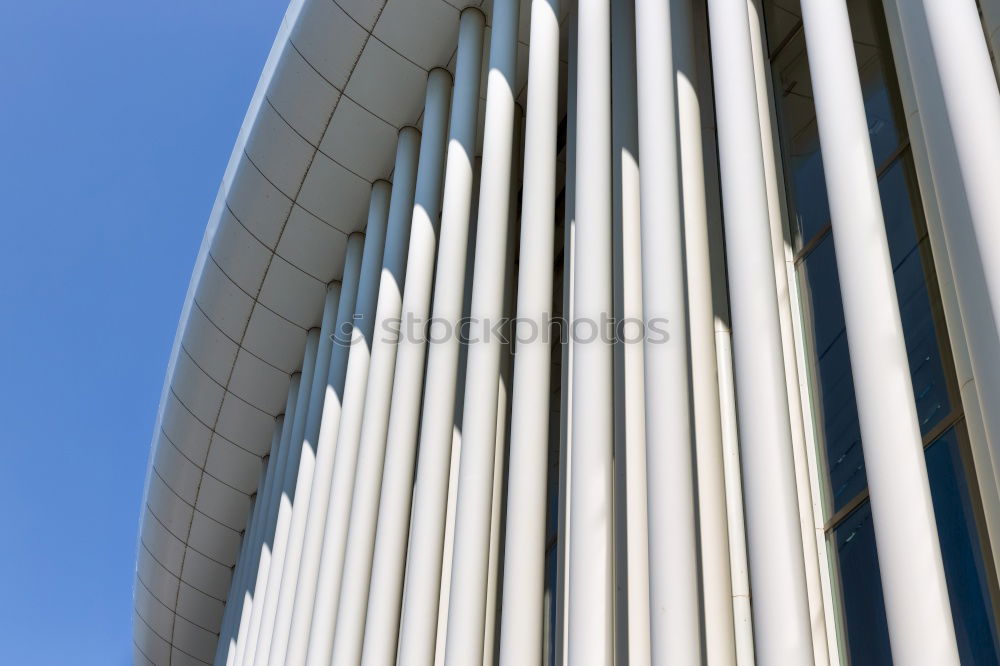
(748, 407)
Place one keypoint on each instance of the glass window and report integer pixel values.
(782, 19)
(797, 113)
(837, 416)
(865, 628)
(962, 550)
(803, 161)
(970, 577)
(549, 620)
(874, 67)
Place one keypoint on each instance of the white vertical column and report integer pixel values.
(275, 536)
(451, 507)
(675, 612)
(223, 645)
(349, 630)
(736, 526)
(524, 558)
(972, 100)
(631, 515)
(225, 648)
(386, 539)
(742, 613)
(913, 582)
(777, 569)
(716, 570)
(246, 570)
(496, 564)
(251, 563)
(289, 477)
(430, 487)
(810, 513)
(566, 379)
(247, 638)
(305, 588)
(304, 481)
(591, 559)
(324, 613)
(467, 603)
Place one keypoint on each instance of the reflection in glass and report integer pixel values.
(961, 550)
(797, 113)
(833, 400)
(837, 416)
(865, 625)
(549, 620)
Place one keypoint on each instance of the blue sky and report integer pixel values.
(116, 122)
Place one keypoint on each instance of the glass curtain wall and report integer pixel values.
(851, 540)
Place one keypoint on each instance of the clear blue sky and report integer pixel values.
(116, 121)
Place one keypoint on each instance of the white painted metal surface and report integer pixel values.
(777, 571)
(324, 613)
(312, 540)
(591, 550)
(467, 604)
(675, 613)
(419, 614)
(370, 437)
(521, 640)
(386, 540)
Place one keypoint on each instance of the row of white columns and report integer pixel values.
(264, 548)
(239, 596)
(467, 613)
(522, 620)
(385, 547)
(424, 571)
(265, 606)
(304, 480)
(367, 436)
(334, 524)
(777, 572)
(297, 625)
(344, 559)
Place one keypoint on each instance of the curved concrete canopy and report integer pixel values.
(342, 77)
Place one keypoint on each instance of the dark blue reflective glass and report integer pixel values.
(797, 113)
(865, 625)
(927, 346)
(551, 594)
(962, 551)
(837, 419)
(800, 141)
(834, 384)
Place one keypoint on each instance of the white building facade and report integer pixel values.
(592, 332)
